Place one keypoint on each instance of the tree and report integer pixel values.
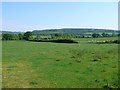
(10, 36)
(95, 35)
(20, 36)
(37, 37)
(105, 34)
(28, 36)
(15, 37)
(57, 35)
(7, 37)
(118, 35)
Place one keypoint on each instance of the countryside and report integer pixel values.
(60, 45)
(33, 64)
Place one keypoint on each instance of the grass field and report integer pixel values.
(57, 65)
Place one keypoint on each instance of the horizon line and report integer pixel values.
(58, 28)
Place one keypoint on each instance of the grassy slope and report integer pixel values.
(34, 64)
(95, 39)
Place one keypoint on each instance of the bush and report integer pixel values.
(65, 41)
(116, 41)
(57, 41)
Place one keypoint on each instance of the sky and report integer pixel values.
(29, 16)
(60, 0)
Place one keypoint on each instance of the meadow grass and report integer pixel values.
(57, 65)
(95, 39)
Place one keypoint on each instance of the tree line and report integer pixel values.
(25, 36)
(29, 36)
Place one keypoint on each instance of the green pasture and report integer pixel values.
(95, 39)
(58, 65)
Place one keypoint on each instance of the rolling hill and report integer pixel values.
(67, 30)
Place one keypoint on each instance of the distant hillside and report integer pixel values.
(66, 30)
(73, 30)
(9, 32)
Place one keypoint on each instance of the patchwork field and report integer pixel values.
(59, 65)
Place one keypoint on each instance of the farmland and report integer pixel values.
(59, 65)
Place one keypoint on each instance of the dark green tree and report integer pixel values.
(95, 35)
(105, 35)
(7, 37)
(20, 36)
(118, 35)
(15, 37)
(28, 35)
(38, 37)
